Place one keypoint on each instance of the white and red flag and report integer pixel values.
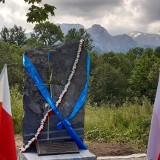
(7, 142)
(153, 151)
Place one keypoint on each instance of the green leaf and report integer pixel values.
(3, 1)
(32, 1)
(39, 14)
(48, 33)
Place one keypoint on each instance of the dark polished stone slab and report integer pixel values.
(61, 61)
(50, 147)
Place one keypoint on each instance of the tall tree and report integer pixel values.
(5, 34)
(13, 35)
(48, 33)
(12, 55)
(32, 42)
(80, 34)
(143, 80)
(38, 13)
(107, 85)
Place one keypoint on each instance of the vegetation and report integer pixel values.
(122, 86)
(80, 34)
(117, 78)
(12, 56)
(37, 11)
(32, 42)
(128, 124)
(47, 33)
(17, 109)
(15, 35)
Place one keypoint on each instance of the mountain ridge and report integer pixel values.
(145, 39)
(105, 42)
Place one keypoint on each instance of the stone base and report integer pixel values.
(83, 155)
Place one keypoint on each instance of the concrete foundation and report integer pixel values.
(83, 155)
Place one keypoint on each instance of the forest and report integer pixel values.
(115, 78)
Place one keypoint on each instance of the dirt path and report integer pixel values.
(110, 149)
(99, 149)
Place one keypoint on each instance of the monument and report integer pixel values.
(55, 128)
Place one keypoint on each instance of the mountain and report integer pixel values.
(28, 34)
(65, 27)
(104, 42)
(145, 40)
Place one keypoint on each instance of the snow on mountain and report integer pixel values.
(145, 40)
(134, 34)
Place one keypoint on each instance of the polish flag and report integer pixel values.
(7, 142)
(153, 151)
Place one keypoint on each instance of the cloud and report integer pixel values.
(154, 27)
(86, 8)
(149, 9)
(14, 12)
(117, 16)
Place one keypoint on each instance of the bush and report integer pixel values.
(17, 109)
(127, 124)
(12, 56)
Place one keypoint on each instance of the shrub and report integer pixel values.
(127, 124)
(17, 109)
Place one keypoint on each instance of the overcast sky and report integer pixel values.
(117, 16)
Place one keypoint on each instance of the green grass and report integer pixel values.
(127, 124)
(17, 109)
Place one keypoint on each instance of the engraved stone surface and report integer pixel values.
(61, 61)
(50, 147)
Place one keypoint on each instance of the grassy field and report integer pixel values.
(127, 124)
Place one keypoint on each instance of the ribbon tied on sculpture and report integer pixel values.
(61, 123)
(45, 93)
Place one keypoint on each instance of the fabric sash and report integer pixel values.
(45, 93)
